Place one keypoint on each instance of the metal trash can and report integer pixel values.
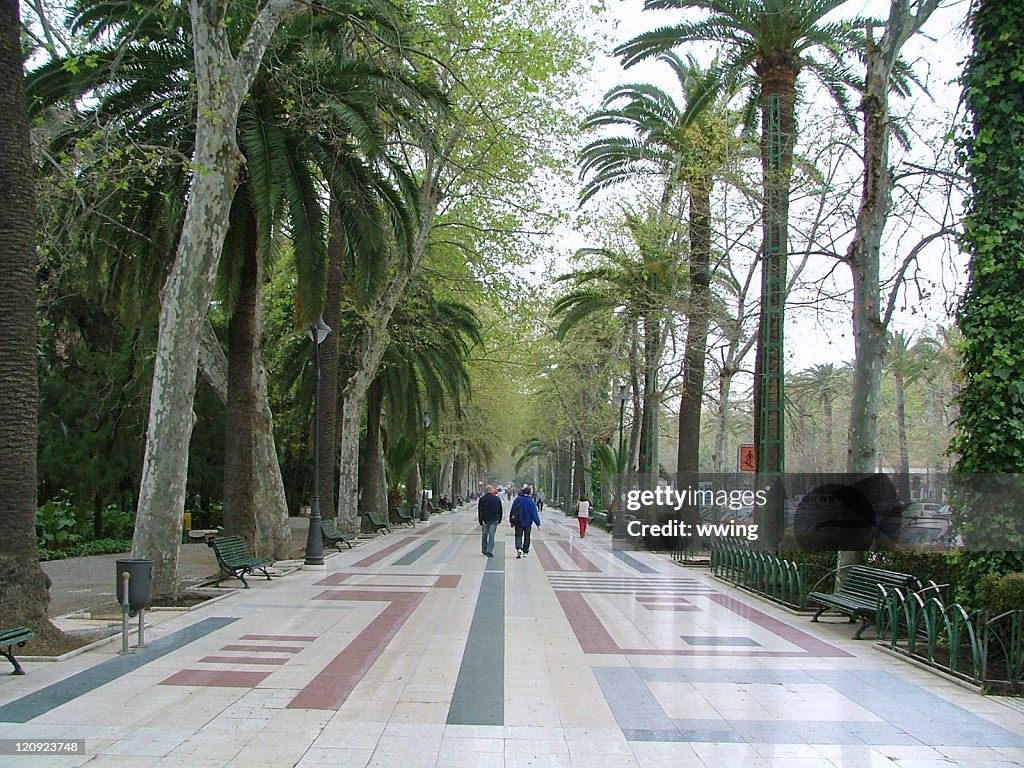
(140, 583)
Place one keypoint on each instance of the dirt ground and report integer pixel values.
(88, 583)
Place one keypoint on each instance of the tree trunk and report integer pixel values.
(579, 468)
(691, 400)
(373, 496)
(370, 353)
(447, 473)
(901, 436)
(329, 359)
(273, 534)
(240, 406)
(24, 586)
(221, 83)
(413, 490)
(869, 324)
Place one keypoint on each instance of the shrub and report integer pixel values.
(56, 526)
(1001, 593)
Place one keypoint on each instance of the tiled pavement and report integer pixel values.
(415, 650)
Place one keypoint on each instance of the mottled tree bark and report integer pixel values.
(222, 80)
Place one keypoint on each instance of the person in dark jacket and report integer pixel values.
(488, 513)
(523, 516)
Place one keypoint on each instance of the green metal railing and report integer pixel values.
(986, 650)
(781, 580)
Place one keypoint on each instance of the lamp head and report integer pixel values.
(318, 331)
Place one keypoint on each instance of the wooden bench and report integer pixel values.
(860, 593)
(376, 522)
(10, 638)
(331, 536)
(236, 560)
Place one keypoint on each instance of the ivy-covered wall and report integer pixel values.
(991, 424)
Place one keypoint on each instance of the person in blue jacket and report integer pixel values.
(523, 516)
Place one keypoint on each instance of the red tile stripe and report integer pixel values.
(594, 638)
(577, 557)
(332, 686)
(241, 660)
(292, 638)
(334, 579)
(271, 648)
(447, 581)
(376, 557)
(546, 558)
(797, 637)
(216, 678)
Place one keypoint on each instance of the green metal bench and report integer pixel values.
(404, 516)
(376, 522)
(235, 559)
(332, 537)
(10, 638)
(599, 519)
(860, 593)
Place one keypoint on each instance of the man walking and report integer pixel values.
(488, 513)
(523, 516)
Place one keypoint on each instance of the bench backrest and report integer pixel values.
(863, 582)
(329, 526)
(231, 549)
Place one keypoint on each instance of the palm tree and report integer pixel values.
(686, 146)
(907, 361)
(824, 383)
(643, 289)
(23, 585)
(778, 40)
(424, 368)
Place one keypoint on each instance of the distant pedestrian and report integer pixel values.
(523, 516)
(540, 500)
(488, 512)
(583, 513)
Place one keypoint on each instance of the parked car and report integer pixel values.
(926, 509)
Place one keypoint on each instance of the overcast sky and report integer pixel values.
(812, 336)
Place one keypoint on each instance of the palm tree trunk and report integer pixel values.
(329, 359)
(722, 418)
(901, 435)
(692, 397)
(24, 586)
(240, 406)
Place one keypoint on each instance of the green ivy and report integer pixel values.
(990, 429)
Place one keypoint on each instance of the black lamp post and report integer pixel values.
(314, 540)
(424, 514)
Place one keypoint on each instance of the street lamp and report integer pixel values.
(314, 541)
(424, 514)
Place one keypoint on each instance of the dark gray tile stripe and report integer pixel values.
(411, 557)
(479, 697)
(632, 562)
(52, 696)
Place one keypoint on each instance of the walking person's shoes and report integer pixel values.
(519, 553)
(525, 554)
(489, 554)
